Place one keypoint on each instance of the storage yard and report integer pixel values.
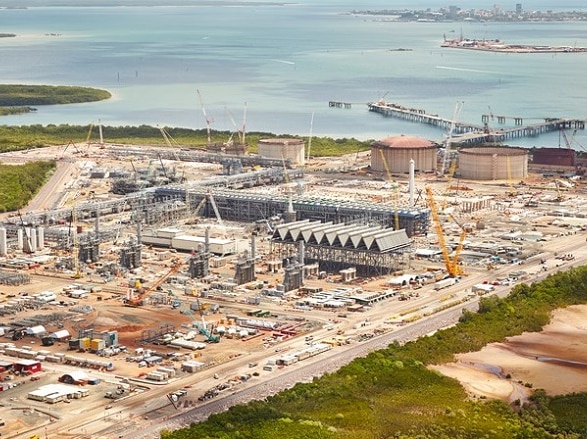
(144, 282)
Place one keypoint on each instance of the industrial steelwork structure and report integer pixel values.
(173, 202)
(192, 155)
(394, 154)
(493, 163)
(289, 149)
(250, 207)
(371, 250)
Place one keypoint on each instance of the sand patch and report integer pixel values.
(554, 359)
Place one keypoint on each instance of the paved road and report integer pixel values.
(126, 418)
(336, 358)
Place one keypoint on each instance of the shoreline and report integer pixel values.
(498, 46)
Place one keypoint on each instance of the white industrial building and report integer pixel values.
(178, 240)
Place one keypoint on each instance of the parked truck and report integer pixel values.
(444, 283)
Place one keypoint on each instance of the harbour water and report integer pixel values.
(285, 61)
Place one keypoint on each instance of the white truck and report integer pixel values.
(444, 283)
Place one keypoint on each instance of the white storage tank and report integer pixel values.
(283, 148)
(493, 163)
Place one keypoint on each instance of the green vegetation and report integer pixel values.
(6, 111)
(14, 138)
(14, 95)
(392, 394)
(18, 184)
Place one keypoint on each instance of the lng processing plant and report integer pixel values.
(147, 287)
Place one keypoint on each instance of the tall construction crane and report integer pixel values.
(206, 119)
(451, 264)
(459, 249)
(448, 139)
(396, 187)
(239, 132)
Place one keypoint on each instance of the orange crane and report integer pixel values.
(451, 264)
(138, 295)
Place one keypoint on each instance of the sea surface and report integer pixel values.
(274, 66)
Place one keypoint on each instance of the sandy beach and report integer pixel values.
(554, 360)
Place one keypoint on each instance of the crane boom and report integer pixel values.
(388, 172)
(448, 140)
(137, 299)
(449, 264)
(208, 136)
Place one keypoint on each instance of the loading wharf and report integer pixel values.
(466, 134)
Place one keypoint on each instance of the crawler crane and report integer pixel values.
(451, 264)
(138, 295)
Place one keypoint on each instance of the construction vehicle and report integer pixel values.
(137, 295)
(186, 309)
(451, 265)
(211, 338)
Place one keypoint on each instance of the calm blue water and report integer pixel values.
(286, 62)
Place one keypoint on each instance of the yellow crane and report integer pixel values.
(450, 264)
(459, 249)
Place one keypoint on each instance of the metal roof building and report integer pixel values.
(372, 250)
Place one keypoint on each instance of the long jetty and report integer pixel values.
(465, 134)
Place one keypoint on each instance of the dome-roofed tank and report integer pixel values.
(394, 154)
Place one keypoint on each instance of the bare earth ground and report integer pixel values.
(554, 360)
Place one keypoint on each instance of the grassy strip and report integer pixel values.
(14, 138)
(7, 111)
(13, 95)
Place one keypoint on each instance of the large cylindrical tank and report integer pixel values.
(283, 148)
(554, 156)
(393, 154)
(493, 163)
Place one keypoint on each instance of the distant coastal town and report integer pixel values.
(500, 46)
(455, 13)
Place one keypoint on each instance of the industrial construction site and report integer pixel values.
(145, 282)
